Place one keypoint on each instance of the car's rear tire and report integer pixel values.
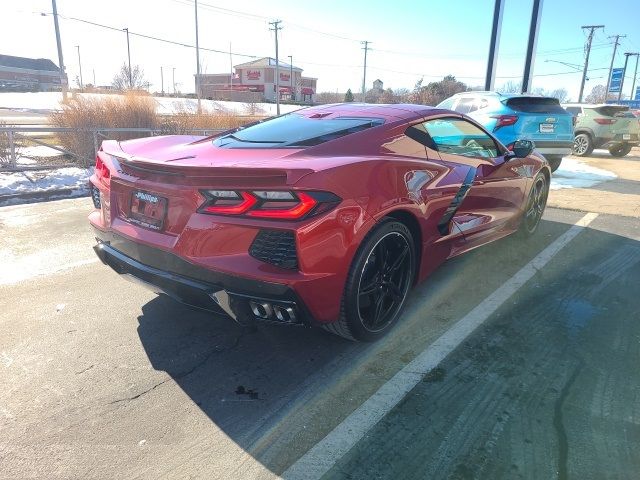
(554, 161)
(582, 145)
(536, 203)
(620, 150)
(379, 280)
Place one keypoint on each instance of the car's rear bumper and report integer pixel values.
(554, 148)
(166, 273)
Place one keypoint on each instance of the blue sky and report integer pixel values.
(410, 39)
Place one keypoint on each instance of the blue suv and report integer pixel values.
(511, 117)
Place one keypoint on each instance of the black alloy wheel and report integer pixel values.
(384, 281)
(379, 280)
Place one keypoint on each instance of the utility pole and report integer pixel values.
(591, 29)
(613, 57)
(231, 71)
(275, 29)
(162, 81)
(173, 79)
(624, 72)
(490, 78)
(291, 76)
(63, 78)
(80, 66)
(197, 61)
(527, 77)
(635, 74)
(129, 57)
(364, 73)
(94, 77)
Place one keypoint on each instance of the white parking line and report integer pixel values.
(322, 456)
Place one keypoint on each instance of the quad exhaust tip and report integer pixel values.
(267, 311)
(262, 310)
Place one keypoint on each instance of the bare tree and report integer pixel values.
(436, 92)
(509, 87)
(329, 97)
(597, 95)
(135, 81)
(560, 93)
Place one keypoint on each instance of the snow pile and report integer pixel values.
(575, 174)
(74, 178)
(39, 151)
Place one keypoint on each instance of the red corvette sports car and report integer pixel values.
(326, 216)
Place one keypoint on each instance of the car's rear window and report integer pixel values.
(294, 130)
(535, 105)
(612, 110)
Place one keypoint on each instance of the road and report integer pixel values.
(102, 379)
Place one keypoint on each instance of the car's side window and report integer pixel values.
(466, 105)
(447, 104)
(460, 137)
(482, 103)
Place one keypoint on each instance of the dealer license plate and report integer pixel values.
(547, 128)
(626, 136)
(148, 210)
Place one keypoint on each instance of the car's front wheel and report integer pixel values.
(620, 150)
(379, 280)
(582, 145)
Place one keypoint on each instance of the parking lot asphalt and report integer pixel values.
(102, 379)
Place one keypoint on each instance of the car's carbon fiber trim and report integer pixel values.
(443, 224)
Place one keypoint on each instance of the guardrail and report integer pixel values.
(10, 134)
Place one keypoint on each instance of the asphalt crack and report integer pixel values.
(186, 373)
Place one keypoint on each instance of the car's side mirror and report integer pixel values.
(523, 148)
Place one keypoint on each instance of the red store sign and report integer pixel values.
(284, 77)
(253, 74)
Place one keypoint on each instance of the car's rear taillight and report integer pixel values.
(272, 204)
(605, 121)
(102, 171)
(504, 120)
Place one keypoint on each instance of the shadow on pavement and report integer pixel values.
(248, 380)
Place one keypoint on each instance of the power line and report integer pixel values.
(238, 13)
(150, 37)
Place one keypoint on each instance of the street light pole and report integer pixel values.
(80, 66)
(493, 45)
(162, 81)
(173, 79)
(527, 77)
(63, 78)
(197, 60)
(129, 57)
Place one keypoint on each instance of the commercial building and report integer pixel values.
(20, 74)
(255, 81)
